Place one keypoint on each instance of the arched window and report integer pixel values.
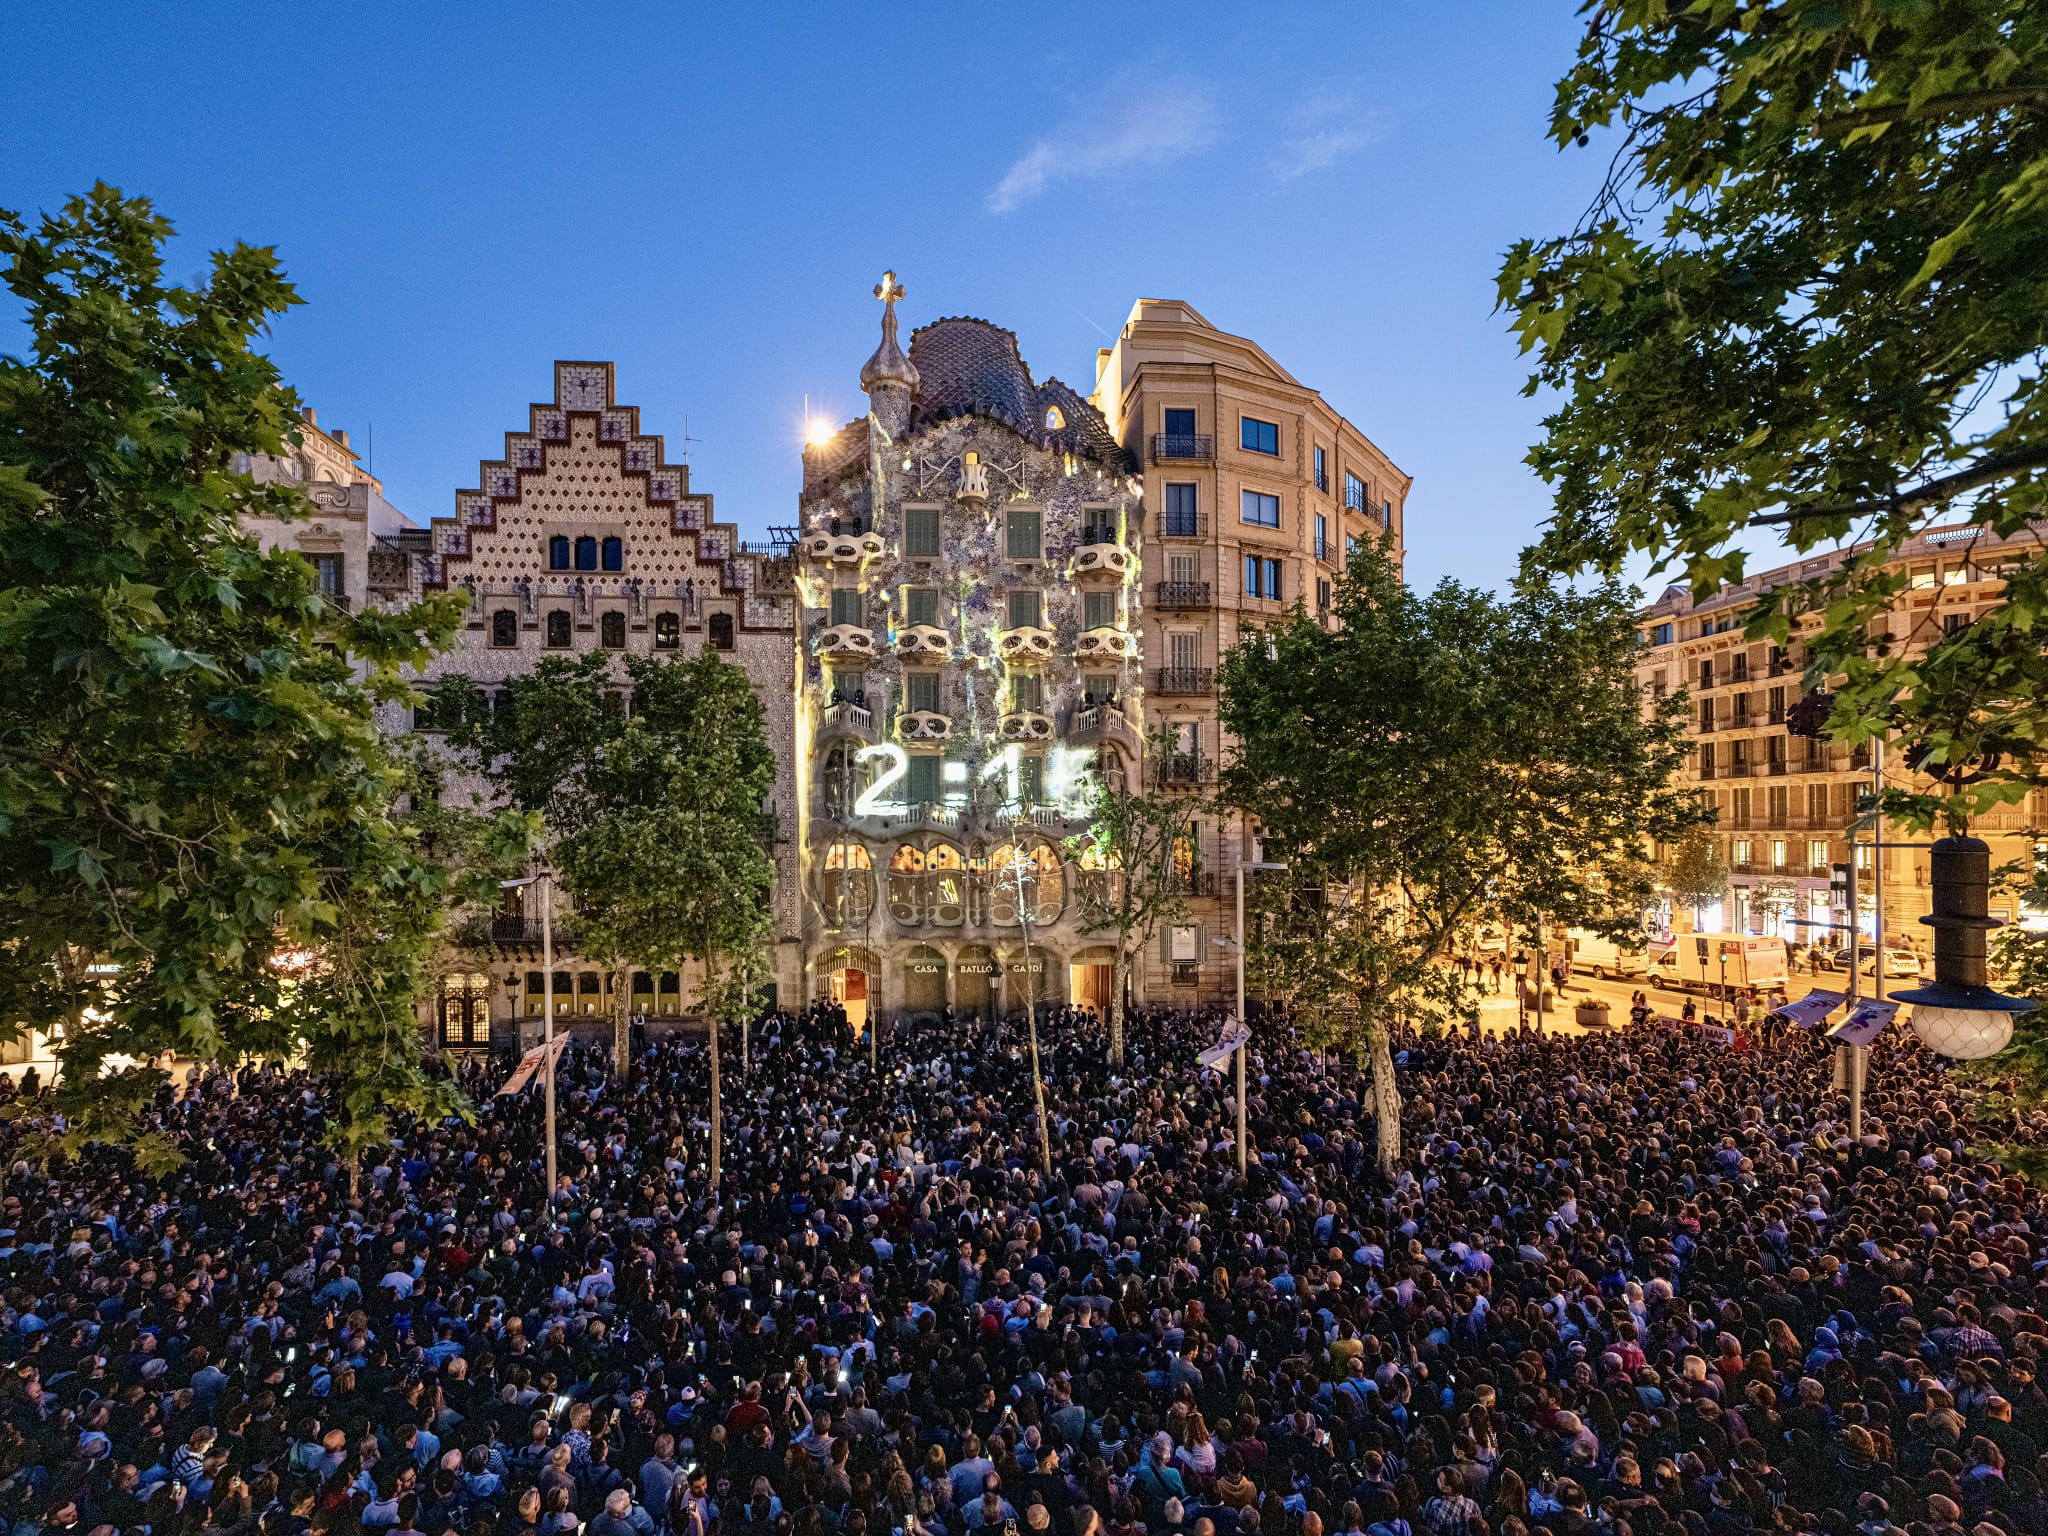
(613, 553)
(504, 627)
(945, 885)
(590, 993)
(668, 997)
(558, 552)
(1034, 870)
(611, 630)
(668, 631)
(846, 890)
(721, 631)
(906, 885)
(558, 629)
(586, 553)
(977, 883)
(1054, 418)
(565, 992)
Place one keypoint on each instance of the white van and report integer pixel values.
(1603, 957)
(1708, 960)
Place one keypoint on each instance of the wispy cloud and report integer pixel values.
(1146, 127)
(1322, 129)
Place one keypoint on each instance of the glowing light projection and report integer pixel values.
(1069, 778)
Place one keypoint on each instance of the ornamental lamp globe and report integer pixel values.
(1960, 1016)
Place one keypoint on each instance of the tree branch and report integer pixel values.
(1984, 471)
(1936, 106)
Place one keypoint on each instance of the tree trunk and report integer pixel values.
(1038, 1086)
(622, 1025)
(1116, 1008)
(717, 1110)
(1386, 1095)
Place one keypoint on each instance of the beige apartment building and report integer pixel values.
(1784, 801)
(1254, 486)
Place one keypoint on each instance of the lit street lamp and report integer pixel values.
(1960, 1016)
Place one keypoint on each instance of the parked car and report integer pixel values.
(1897, 961)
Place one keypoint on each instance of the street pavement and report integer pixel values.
(1620, 994)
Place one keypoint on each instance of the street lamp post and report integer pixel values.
(1244, 1029)
(545, 879)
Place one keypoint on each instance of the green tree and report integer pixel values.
(1693, 873)
(1427, 759)
(655, 816)
(1814, 291)
(1140, 860)
(202, 846)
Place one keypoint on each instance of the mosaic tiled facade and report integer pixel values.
(967, 655)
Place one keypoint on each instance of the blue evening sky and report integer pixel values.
(707, 194)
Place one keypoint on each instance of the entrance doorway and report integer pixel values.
(1088, 981)
(850, 991)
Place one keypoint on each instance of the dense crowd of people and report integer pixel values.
(1629, 1284)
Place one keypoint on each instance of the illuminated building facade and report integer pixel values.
(968, 655)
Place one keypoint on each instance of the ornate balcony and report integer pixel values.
(1107, 644)
(1184, 770)
(1026, 725)
(1185, 680)
(1170, 446)
(845, 718)
(924, 725)
(847, 642)
(842, 548)
(1027, 642)
(1102, 560)
(925, 642)
(1181, 595)
(1099, 723)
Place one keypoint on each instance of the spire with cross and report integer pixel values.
(888, 366)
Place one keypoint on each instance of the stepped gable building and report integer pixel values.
(968, 654)
(584, 537)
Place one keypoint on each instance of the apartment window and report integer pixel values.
(1386, 513)
(504, 627)
(1951, 623)
(1178, 423)
(1031, 780)
(1183, 520)
(921, 533)
(586, 553)
(1261, 577)
(847, 687)
(720, 631)
(1098, 687)
(1027, 691)
(1706, 759)
(1816, 802)
(1322, 537)
(1706, 714)
(1187, 737)
(921, 691)
(1322, 469)
(1259, 509)
(611, 631)
(612, 553)
(1324, 592)
(1707, 673)
(558, 552)
(668, 631)
(327, 574)
(1780, 850)
(1098, 610)
(1862, 858)
(921, 605)
(1098, 525)
(1354, 494)
(1027, 610)
(1742, 799)
(1256, 436)
(1817, 853)
(922, 785)
(1660, 634)
(1182, 569)
(1184, 650)
(846, 605)
(1744, 851)
(1023, 539)
(558, 629)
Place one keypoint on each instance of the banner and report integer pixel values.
(529, 1064)
(1219, 1053)
(1865, 1023)
(1811, 1010)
